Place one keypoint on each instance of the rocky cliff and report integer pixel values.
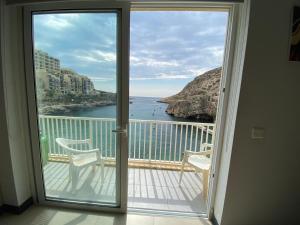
(72, 102)
(198, 100)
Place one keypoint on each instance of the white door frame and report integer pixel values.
(230, 45)
(223, 104)
(122, 97)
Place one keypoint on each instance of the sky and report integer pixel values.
(167, 49)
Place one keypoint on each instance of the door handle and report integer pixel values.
(120, 131)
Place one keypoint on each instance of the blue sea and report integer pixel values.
(144, 108)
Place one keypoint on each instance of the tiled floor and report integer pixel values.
(38, 215)
(147, 188)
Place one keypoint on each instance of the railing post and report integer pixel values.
(155, 148)
(91, 133)
(96, 136)
(201, 137)
(207, 133)
(175, 144)
(171, 139)
(150, 141)
(106, 141)
(213, 135)
(54, 132)
(160, 140)
(134, 142)
(180, 143)
(196, 139)
(62, 134)
(191, 138)
(47, 133)
(145, 131)
(166, 139)
(129, 131)
(140, 136)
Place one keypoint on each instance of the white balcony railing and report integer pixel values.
(149, 140)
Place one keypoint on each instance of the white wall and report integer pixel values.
(263, 184)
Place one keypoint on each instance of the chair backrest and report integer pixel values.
(206, 147)
(67, 143)
(62, 142)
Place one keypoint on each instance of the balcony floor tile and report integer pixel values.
(147, 188)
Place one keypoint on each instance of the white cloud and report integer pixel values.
(219, 30)
(191, 73)
(216, 51)
(162, 76)
(86, 58)
(95, 56)
(140, 89)
(101, 78)
(106, 56)
(58, 22)
(147, 61)
(42, 45)
(197, 72)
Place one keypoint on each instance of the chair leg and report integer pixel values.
(70, 172)
(75, 174)
(181, 172)
(102, 171)
(205, 184)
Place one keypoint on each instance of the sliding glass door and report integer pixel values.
(75, 72)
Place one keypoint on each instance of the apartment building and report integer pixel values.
(50, 76)
(72, 82)
(44, 61)
(47, 81)
(87, 85)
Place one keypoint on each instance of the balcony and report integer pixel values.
(155, 152)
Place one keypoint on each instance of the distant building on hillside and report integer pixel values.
(43, 61)
(75, 83)
(47, 81)
(72, 81)
(50, 77)
(87, 86)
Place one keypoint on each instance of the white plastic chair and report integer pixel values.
(80, 158)
(201, 161)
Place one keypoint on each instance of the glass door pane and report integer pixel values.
(75, 62)
(176, 58)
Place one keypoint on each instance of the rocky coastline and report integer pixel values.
(198, 100)
(57, 109)
(63, 104)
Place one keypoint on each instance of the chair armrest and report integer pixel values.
(74, 142)
(90, 151)
(81, 151)
(188, 153)
(96, 150)
(64, 143)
